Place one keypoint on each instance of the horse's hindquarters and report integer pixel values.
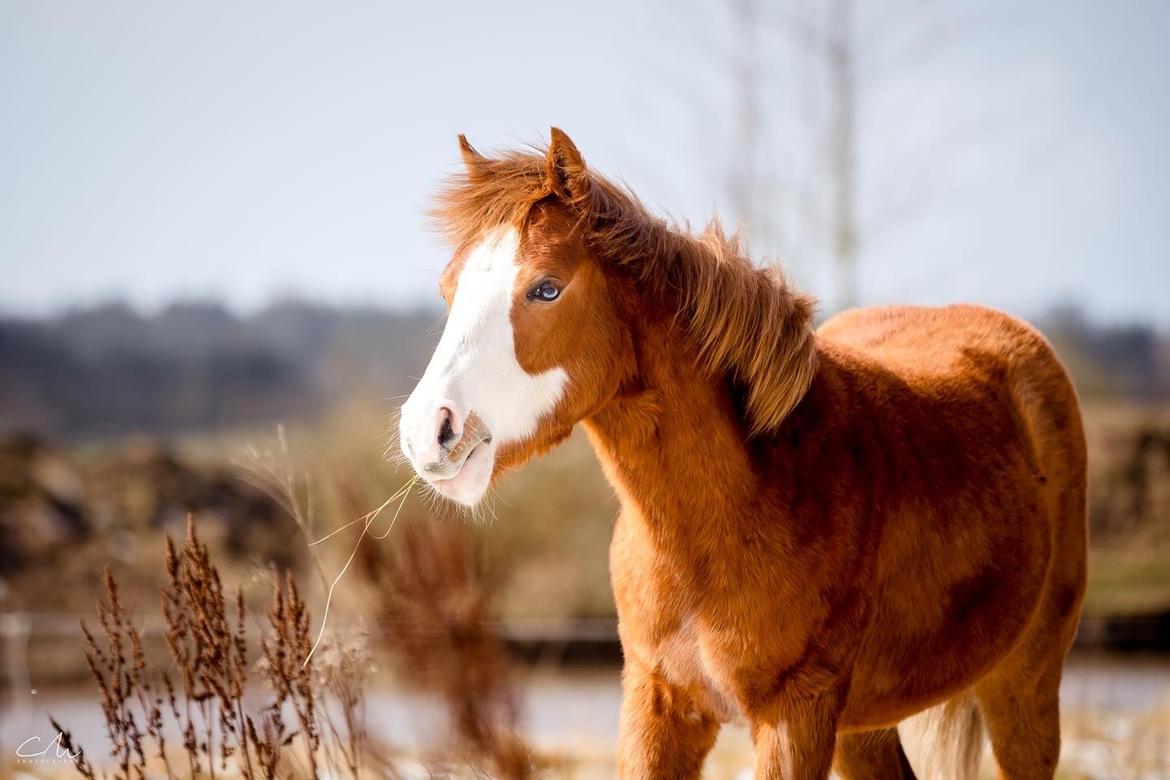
(985, 580)
(953, 604)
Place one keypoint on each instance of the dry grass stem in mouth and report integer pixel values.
(403, 494)
(271, 471)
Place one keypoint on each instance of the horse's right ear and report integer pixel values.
(565, 170)
(471, 158)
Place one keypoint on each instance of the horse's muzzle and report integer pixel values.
(440, 443)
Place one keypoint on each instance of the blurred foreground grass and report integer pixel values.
(1132, 578)
(1129, 508)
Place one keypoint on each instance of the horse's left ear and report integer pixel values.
(471, 158)
(566, 172)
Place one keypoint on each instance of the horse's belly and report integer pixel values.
(932, 637)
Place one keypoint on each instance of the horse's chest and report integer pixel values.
(681, 659)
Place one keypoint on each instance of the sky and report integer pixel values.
(155, 152)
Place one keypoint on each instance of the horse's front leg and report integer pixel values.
(664, 734)
(795, 740)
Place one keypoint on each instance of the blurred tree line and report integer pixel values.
(108, 370)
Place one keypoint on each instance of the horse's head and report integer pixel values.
(533, 342)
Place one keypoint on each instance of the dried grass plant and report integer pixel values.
(223, 729)
(297, 707)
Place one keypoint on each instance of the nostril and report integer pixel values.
(446, 432)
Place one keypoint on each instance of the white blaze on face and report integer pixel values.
(475, 371)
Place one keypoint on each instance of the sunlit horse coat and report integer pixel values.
(823, 532)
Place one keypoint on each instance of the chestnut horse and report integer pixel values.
(824, 533)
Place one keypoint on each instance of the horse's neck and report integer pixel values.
(674, 446)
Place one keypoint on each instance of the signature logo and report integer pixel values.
(35, 750)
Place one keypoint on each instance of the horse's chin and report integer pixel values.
(513, 455)
(469, 485)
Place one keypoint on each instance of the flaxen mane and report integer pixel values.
(745, 321)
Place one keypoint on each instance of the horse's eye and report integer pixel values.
(545, 291)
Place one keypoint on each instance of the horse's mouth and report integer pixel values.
(446, 471)
(465, 481)
(451, 468)
(460, 470)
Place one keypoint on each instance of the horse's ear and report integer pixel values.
(471, 158)
(566, 172)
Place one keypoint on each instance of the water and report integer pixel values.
(576, 712)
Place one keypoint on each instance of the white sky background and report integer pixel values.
(244, 152)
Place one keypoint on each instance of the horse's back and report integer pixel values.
(952, 348)
(918, 339)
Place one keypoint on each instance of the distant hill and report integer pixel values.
(1127, 361)
(107, 370)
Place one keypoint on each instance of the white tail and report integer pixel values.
(945, 742)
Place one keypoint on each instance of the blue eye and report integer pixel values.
(545, 291)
